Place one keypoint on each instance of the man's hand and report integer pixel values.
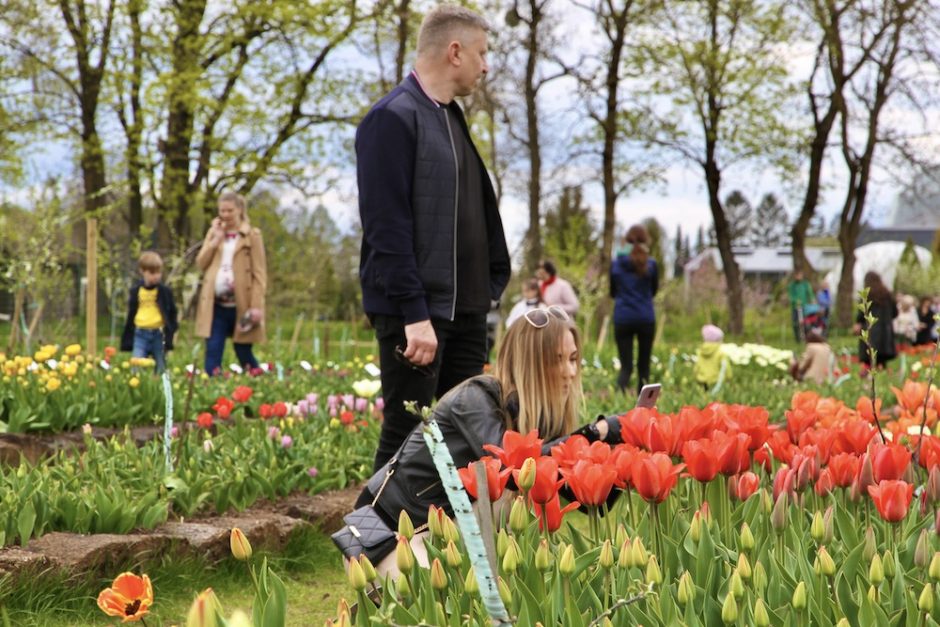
(421, 342)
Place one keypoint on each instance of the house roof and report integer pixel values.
(768, 260)
(921, 236)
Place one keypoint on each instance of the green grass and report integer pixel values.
(310, 567)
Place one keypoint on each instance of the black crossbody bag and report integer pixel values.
(366, 533)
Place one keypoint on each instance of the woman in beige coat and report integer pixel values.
(231, 299)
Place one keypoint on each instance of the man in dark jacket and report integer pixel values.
(433, 252)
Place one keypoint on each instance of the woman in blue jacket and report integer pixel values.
(634, 279)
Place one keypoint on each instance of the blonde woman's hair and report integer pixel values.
(445, 23)
(238, 200)
(528, 366)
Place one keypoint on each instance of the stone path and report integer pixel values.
(266, 526)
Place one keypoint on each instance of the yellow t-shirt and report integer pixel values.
(148, 314)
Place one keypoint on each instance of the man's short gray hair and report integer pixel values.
(441, 24)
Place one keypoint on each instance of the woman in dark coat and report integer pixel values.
(884, 308)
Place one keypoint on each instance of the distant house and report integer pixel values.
(764, 264)
(921, 235)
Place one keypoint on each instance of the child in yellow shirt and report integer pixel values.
(151, 313)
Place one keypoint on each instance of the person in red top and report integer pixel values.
(555, 290)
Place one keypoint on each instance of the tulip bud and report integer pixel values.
(543, 557)
(449, 530)
(735, 585)
(686, 591)
(434, 522)
(404, 556)
(404, 588)
(744, 567)
(367, 568)
(454, 558)
(925, 602)
(827, 525)
(934, 570)
(922, 549)
(778, 518)
(936, 523)
(238, 619)
(342, 607)
(824, 565)
(511, 559)
(503, 589)
(438, 576)
(746, 539)
(357, 578)
(843, 622)
(640, 556)
(766, 501)
(470, 585)
(876, 572)
(621, 534)
(695, 529)
(799, 596)
(653, 574)
(888, 563)
(866, 475)
(761, 618)
(606, 558)
(760, 577)
(817, 530)
(870, 546)
(527, 475)
(729, 610)
(873, 594)
(706, 513)
(518, 515)
(440, 618)
(566, 564)
(204, 612)
(405, 526)
(625, 559)
(502, 542)
(241, 548)
(933, 484)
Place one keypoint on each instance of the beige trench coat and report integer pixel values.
(251, 279)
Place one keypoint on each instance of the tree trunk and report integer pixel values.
(610, 129)
(135, 203)
(534, 234)
(845, 295)
(811, 199)
(404, 31)
(176, 197)
(723, 236)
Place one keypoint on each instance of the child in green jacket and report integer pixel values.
(709, 357)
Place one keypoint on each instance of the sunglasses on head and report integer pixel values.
(424, 371)
(538, 318)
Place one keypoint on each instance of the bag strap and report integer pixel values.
(388, 475)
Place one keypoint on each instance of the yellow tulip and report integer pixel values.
(204, 612)
(73, 349)
(133, 382)
(241, 547)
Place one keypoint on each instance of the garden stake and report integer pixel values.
(181, 431)
(168, 421)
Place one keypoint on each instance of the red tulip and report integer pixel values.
(929, 455)
(844, 468)
(495, 478)
(546, 479)
(701, 459)
(749, 420)
(576, 448)
(798, 421)
(889, 461)
(854, 437)
(622, 459)
(892, 499)
(664, 435)
(553, 513)
(733, 452)
(204, 420)
(241, 394)
(634, 425)
(654, 476)
(517, 448)
(223, 407)
(784, 481)
(825, 483)
(744, 485)
(590, 482)
(762, 458)
(279, 410)
(781, 446)
(265, 411)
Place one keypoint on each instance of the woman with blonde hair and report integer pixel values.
(536, 386)
(231, 299)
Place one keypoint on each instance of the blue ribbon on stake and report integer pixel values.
(168, 423)
(467, 522)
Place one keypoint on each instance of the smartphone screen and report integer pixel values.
(648, 395)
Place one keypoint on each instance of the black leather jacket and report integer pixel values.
(469, 416)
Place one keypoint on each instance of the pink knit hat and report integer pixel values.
(711, 333)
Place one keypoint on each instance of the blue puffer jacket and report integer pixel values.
(633, 294)
(407, 174)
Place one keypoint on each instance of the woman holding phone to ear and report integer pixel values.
(536, 385)
(634, 281)
(231, 299)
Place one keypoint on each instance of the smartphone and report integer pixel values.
(648, 395)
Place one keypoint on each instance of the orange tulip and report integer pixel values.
(516, 448)
(495, 479)
(654, 476)
(911, 395)
(590, 482)
(129, 597)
